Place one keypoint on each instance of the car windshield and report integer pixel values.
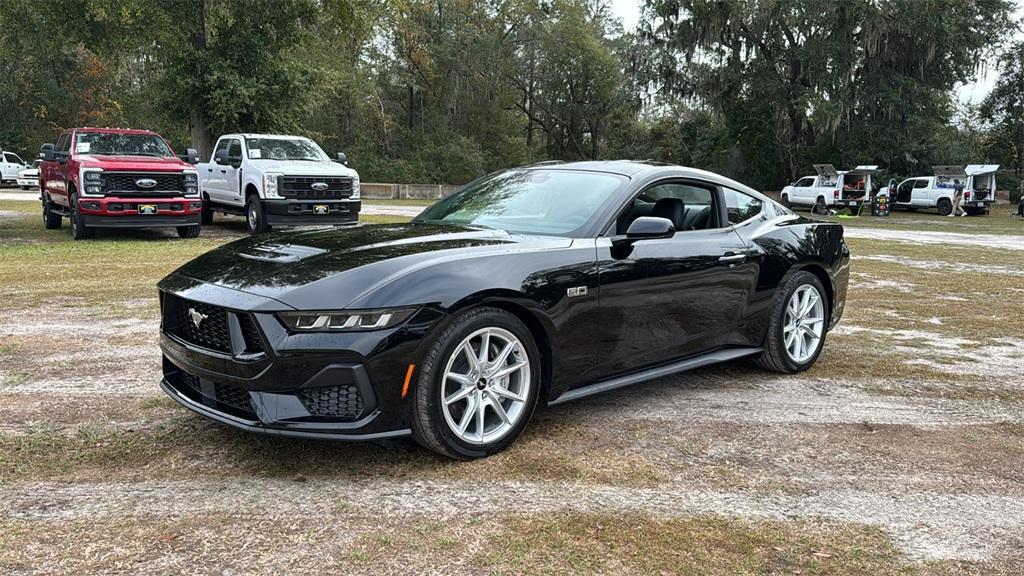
(284, 149)
(109, 144)
(531, 201)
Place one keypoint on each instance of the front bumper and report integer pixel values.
(343, 386)
(32, 182)
(116, 212)
(311, 212)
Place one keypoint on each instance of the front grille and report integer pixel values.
(226, 394)
(334, 401)
(212, 331)
(301, 187)
(123, 184)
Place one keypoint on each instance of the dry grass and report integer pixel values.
(535, 544)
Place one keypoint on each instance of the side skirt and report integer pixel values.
(657, 372)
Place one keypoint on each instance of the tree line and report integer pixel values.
(445, 90)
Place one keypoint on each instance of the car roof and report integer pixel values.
(254, 135)
(645, 169)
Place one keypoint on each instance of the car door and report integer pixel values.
(923, 194)
(214, 180)
(233, 173)
(11, 165)
(802, 191)
(664, 299)
(56, 171)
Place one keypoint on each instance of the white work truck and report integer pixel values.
(937, 191)
(831, 187)
(278, 180)
(10, 165)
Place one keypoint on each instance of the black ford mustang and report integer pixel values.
(530, 286)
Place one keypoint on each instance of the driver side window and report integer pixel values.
(235, 151)
(689, 206)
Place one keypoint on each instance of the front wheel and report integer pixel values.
(478, 385)
(79, 231)
(786, 202)
(798, 324)
(254, 215)
(206, 216)
(189, 231)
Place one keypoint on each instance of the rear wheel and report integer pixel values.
(79, 231)
(945, 207)
(189, 231)
(51, 220)
(478, 385)
(797, 329)
(254, 215)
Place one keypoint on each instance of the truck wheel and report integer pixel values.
(254, 215)
(78, 230)
(785, 201)
(189, 231)
(51, 220)
(206, 217)
(945, 207)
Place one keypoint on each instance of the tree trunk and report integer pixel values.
(199, 121)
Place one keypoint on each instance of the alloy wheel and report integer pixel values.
(485, 386)
(804, 324)
(252, 216)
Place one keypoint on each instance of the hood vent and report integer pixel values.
(281, 253)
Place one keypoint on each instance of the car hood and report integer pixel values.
(133, 162)
(308, 268)
(30, 172)
(304, 168)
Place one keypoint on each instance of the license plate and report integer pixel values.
(321, 208)
(147, 208)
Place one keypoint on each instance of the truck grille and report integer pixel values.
(214, 328)
(123, 184)
(343, 402)
(301, 187)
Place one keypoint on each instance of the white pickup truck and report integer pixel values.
(278, 181)
(979, 182)
(831, 187)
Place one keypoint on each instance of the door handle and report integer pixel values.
(223, 171)
(732, 259)
(209, 169)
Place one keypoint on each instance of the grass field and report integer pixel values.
(900, 452)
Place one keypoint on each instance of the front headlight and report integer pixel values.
(355, 188)
(92, 178)
(270, 188)
(191, 182)
(345, 321)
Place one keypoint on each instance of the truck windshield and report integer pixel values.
(111, 144)
(284, 149)
(533, 201)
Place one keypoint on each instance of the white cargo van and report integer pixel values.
(831, 187)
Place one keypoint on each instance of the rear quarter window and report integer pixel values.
(740, 207)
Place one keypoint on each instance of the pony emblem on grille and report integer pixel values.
(196, 317)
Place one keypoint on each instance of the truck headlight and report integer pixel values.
(345, 321)
(355, 188)
(92, 182)
(191, 182)
(271, 188)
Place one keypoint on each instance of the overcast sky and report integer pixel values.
(973, 92)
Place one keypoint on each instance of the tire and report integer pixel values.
(189, 231)
(776, 356)
(25, 187)
(785, 201)
(435, 426)
(51, 220)
(206, 217)
(854, 211)
(254, 216)
(945, 207)
(78, 231)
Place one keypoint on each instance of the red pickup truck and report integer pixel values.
(115, 178)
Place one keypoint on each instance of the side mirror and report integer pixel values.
(221, 157)
(646, 228)
(192, 156)
(341, 158)
(46, 153)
